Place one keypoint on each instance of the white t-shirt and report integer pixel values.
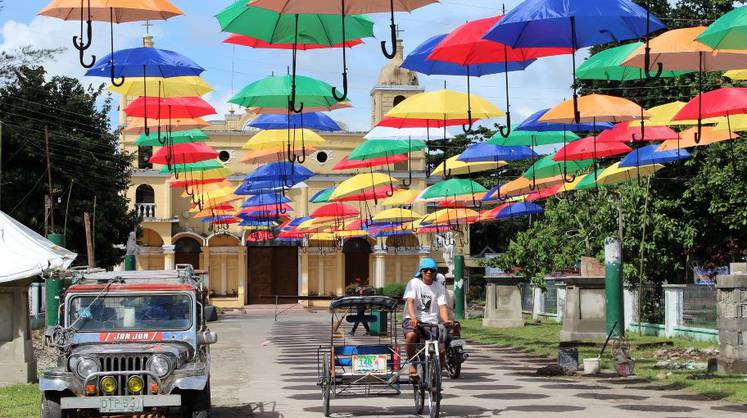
(427, 299)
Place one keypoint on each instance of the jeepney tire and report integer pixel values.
(50, 405)
(196, 403)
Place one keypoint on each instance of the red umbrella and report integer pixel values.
(400, 123)
(543, 193)
(346, 164)
(722, 102)
(335, 210)
(631, 131)
(242, 40)
(588, 148)
(259, 236)
(268, 208)
(177, 184)
(169, 108)
(190, 152)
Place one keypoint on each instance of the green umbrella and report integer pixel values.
(178, 137)
(375, 148)
(607, 65)
(532, 138)
(547, 167)
(189, 167)
(451, 188)
(276, 28)
(323, 196)
(589, 181)
(728, 31)
(273, 93)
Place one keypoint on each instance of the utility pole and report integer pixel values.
(89, 240)
(49, 179)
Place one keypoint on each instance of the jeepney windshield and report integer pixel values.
(130, 312)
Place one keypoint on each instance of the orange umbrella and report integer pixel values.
(522, 185)
(137, 125)
(708, 135)
(112, 11)
(596, 108)
(269, 155)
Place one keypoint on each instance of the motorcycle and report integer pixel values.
(455, 354)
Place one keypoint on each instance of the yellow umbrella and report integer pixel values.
(360, 183)
(736, 123)
(215, 189)
(736, 75)
(596, 108)
(209, 212)
(169, 87)
(615, 174)
(662, 116)
(322, 236)
(216, 173)
(444, 104)
(401, 198)
(454, 167)
(708, 135)
(274, 137)
(396, 215)
(137, 125)
(269, 155)
(350, 234)
(451, 216)
(208, 201)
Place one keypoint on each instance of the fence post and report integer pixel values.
(674, 295)
(538, 303)
(630, 300)
(560, 301)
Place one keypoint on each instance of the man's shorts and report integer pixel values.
(426, 335)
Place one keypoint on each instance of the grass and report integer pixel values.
(543, 338)
(19, 401)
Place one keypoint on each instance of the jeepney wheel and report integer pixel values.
(50, 405)
(196, 403)
(419, 392)
(326, 385)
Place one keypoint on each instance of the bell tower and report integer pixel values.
(394, 85)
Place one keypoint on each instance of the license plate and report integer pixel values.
(370, 363)
(121, 404)
(457, 343)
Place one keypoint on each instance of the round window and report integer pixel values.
(224, 156)
(321, 157)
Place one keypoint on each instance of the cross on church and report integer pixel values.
(147, 25)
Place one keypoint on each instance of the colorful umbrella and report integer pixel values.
(138, 126)
(285, 171)
(172, 108)
(608, 65)
(178, 137)
(444, 105)
(184, 86)
(533, 123)
(190, 152)
(532, 138)
(484, 151)
(547, 167)
(629, 132)
(346, 164)
(243, 40)
(403, 123)
(589, 147)
(315, 121)
(376, 148)
(362, 182)
(396, 215)
(521, 186)
(112, 11)
(322, 196)
(615, 174)
(595, 108)
(736, 75)
(692, 138)
(453, 167)
(649, 155)
(728, 31)
(450, 189)
(721, 102)
(512, 210)
(193, 167)
(401, 198)
(273, 93)
(452, 216)
(335, 210)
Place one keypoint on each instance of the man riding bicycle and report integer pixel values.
(425, 301)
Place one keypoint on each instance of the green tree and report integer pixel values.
(87, 165)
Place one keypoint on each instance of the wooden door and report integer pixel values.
(271, 271)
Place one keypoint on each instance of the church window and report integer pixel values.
(398, 99)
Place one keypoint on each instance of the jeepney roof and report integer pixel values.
(144, 280)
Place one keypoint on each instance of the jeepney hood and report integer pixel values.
(137, 338)
(177, 350)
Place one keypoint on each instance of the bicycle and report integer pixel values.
(428, 364)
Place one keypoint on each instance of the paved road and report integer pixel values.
(263, 368)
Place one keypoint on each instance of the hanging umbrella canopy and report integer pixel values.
(444, 104)
(708, 135)
(453, 167)
(361, 183)
(486, 152)
(401, 198)
(532, 138)
(193, 167)
(728, 31)
(137, 125)
(272, 154)
(547, 167)
(374, 193)
(596, 108)
(512, 210)
(736, 123)
(314, 120)
(631, 131)
(420, 60)
(185, 86)
(190, 152)
(273, 138)
(428, 124)
(405, 134)
(322, 196)
(276, 208)
(197, 179)
(533, 123)
(736, 75)
(335, 210)
(521, 186)
(265, 199)
(124, 10)
(376, 148)
(449, 189)
(649, 155)
(678, 50)
(243, 40)
(174, 107)
(346, 164)
(145, 62)
(284, 171)
(271, 26)
(590, 148)
(720, 102)
(274, 91)
(452, 216)
(396, 215)
(615, 174)
(608, 65)
(178, 137)
(336, 8)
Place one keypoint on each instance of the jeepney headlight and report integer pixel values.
(108, 385)
(135, 384)
(86, 367)
(159, 365)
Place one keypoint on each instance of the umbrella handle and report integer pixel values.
(341, 98)
(81, 54)
(506, 130)
(84, 45)
(115, 82)
(533, 185)
(647, 65)
(467, 127)
(392, 32)
(698, 134)
(292, 105)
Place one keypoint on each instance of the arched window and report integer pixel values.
(397, 100)
(145, 194)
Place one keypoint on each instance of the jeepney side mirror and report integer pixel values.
(207, 337)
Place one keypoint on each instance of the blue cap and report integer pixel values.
(426, 263)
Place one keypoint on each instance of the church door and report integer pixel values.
(271, 271)
(357, 252)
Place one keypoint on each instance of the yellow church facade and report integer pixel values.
(241, 272)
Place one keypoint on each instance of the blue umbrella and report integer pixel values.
(533, 123)
(390, 233)
(217, 219)
(299, 221)
(573, 24)
(145, 62)
(484, 152)
(315, 121)
(648, 155)
(258, 187)
(254, 222)
(265, 199)
(287, 173)
(318, 194)
(516, 210)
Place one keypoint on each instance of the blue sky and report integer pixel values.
(197, 35)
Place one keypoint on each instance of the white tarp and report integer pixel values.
(24, 253)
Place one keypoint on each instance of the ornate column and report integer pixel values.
(380, 269)
(169, 257)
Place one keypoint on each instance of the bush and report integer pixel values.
(394, 290)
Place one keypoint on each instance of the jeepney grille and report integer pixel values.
(125, 363)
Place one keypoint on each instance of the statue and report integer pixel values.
(132, 247)
(448, 249)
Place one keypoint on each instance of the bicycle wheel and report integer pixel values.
(419, 391)
(434, 385)
(326, 386)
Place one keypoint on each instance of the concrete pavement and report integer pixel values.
(263, 368)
